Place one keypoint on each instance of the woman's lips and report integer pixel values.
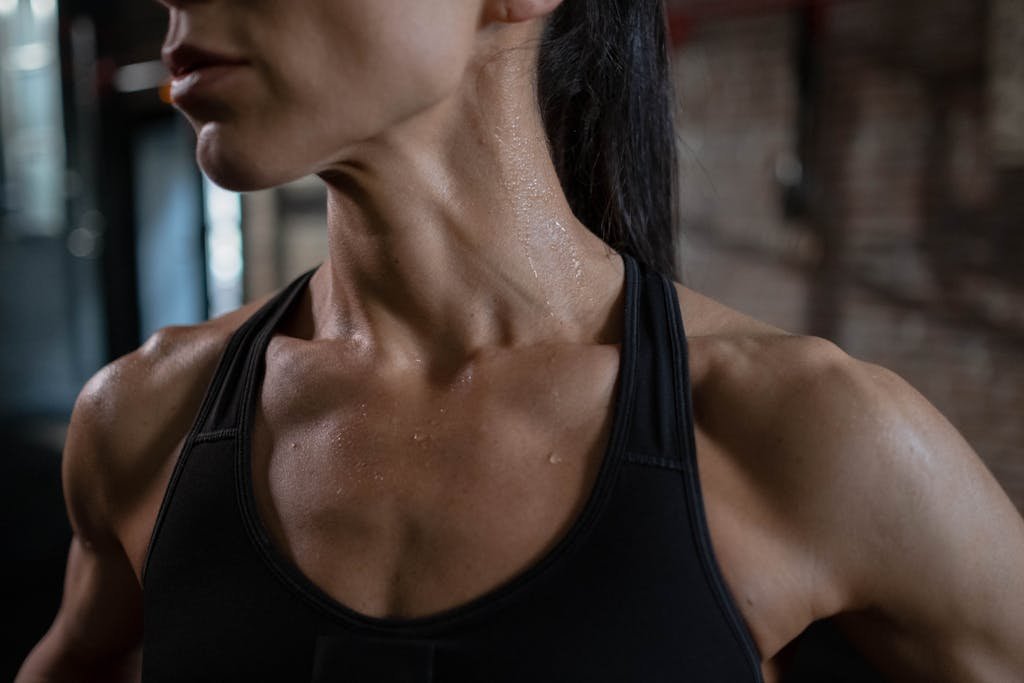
(197, 72)
(202, 82)
(181, 58)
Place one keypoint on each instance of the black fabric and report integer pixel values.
(632, 592)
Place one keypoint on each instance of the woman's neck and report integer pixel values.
(451, 233)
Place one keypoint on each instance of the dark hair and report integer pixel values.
(605, 95)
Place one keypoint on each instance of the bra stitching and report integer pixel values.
(216, 435)
(653, 461)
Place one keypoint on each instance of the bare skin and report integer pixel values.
(434, 410)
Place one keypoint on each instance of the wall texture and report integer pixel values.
(870, 193)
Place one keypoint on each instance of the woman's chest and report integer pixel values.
(408, 501)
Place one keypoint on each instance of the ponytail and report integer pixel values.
(605, 97)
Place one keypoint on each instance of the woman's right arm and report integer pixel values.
(97, 633)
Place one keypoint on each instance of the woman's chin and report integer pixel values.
(238, 180)
(239, 170)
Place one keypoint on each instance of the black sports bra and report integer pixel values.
(632, 592)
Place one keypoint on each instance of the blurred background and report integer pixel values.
(852, 169)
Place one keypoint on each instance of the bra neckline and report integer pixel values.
(295, 579)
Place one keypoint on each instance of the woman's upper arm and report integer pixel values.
(930, 546)
(97, 634)
(98, 628)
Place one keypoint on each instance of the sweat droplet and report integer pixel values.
(554, 458)
(418, 436)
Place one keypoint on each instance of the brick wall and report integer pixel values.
(909, 251)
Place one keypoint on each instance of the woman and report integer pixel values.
(463, 448)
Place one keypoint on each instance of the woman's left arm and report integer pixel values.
(930, 548)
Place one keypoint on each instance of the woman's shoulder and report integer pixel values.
(130, 397)
(734, 354)
(736, 359)
(871, 484)
(811, 423)
(130, 419)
